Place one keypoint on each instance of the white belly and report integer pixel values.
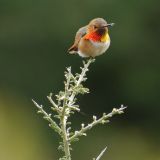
(98, 48)
(101, 47)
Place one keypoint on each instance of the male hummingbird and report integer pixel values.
(92, 40)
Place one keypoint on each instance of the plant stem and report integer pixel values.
(64, 117)
(83, 73)
(65, 138)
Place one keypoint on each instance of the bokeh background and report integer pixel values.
(34, 38)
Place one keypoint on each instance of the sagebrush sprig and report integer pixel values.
(104, 119)
(65, 105)
(47, 117)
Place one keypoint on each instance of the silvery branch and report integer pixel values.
(64, 104)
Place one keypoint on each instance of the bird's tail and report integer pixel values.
(73, 49)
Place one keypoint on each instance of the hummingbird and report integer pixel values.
(92, 40)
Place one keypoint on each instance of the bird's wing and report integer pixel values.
(80, 33)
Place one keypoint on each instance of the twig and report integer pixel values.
(102, 120)
(101, 154)
(47, 116)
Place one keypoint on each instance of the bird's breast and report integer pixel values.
(92, 48)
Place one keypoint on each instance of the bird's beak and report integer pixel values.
(109, 25)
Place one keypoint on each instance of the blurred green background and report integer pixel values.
(34, 38)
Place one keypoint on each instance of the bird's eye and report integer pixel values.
(95, 27)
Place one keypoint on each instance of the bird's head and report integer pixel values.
(99, 26)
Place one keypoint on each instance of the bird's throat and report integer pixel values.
(96, 37)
